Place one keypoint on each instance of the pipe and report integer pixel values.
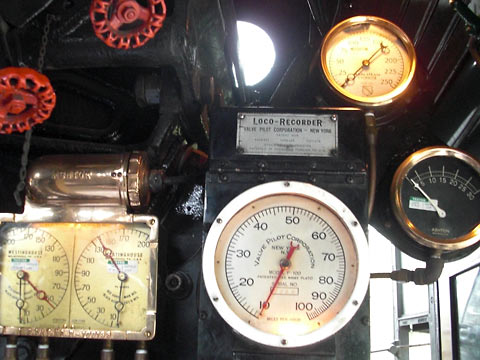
(371, 132)
(141, 353)
(11, 348)
(42, 349)
(420, 276)
(107, 351)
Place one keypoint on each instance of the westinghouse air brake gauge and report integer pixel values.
(368, 60)
(285, 264)
(75, 263)
(435, 196)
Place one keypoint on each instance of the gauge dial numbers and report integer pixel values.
(368, 60)
(283, 264)
(80, 280)
(435, 196)
(34, 276)
(110, 277)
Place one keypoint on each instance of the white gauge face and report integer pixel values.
(284, 270)
(369, 60)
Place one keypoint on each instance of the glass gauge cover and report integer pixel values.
(284, 264)
(35, 275)
(435, 196)
(87, 280)
(368, 60)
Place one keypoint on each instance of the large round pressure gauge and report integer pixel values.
(368, 60)
(435, 196)
(285, 264)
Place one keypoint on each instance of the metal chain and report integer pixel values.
(23, 168)
(28, 134)
(44, 43)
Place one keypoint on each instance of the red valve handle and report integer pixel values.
(125, 24)
(26, 99)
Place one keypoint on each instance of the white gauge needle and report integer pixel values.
(439, 211)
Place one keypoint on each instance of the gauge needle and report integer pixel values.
(107, 252)
(20, 303)
(365, 64)
(42, 295)
(284, 265)
(439, 211)
(119, 305)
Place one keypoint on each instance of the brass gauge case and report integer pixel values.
(438, 244)
(76, 263)
(370, 26)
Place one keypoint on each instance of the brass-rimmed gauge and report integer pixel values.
(368, 60)
(110, 277)
(35, 275)
(435, 196)
(285, 264)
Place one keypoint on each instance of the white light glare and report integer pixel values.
(256, 52)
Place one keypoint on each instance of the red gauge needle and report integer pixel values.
(284, 265)
(42, 295)
(107, 252)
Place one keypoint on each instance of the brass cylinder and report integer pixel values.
(89, 180)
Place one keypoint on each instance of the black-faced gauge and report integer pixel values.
(435, 195)
(367, 60)
(285, 264)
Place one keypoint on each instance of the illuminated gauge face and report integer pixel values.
(283, 264)
(110, 279)
(368, 60)
(35, 275)
(436, 198)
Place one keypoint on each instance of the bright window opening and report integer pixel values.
(256, 52)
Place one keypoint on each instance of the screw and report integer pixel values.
(215, 298)
(241, 116)
(219, 221)
(349, 179)
(240, 150)
(148, 334)
(333, 152)
(152, 222)
(223, 178)
(262, 165)
(286, 184)
(203, 315)
(355, 223)
(284, 342)
(365, 321)
(313, 165)
(351, 166)
(113, 174)
(334, 118)
(355, 302)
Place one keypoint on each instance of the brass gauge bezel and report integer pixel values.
(449, 244)
(108, 223)
(395, 31)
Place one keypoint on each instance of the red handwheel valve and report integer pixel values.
(125, 24)
(26, 99)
